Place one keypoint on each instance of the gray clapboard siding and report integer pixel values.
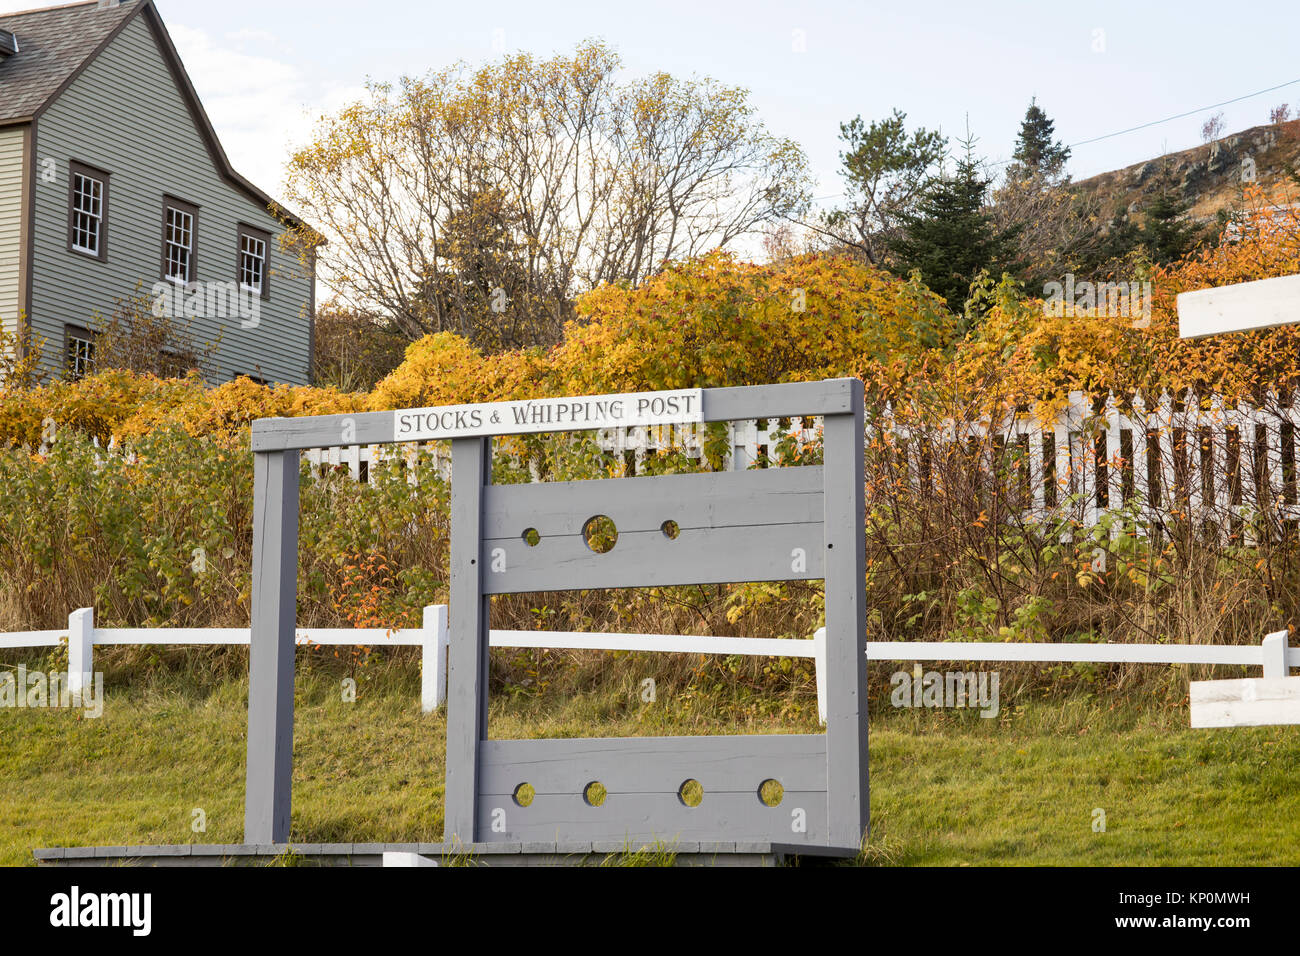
(11, 194)
(124, 114)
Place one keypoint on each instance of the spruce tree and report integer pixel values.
(951, 236)
(1167, 234)
(1037, 152)
(1120, 239)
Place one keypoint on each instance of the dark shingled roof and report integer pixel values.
(52, 44)
(55, 43)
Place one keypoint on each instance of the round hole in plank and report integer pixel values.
(594, 793)
(670, 529)
(771, 793)
(600, 533)
(691, 793)
(524, 794)
(531, 537)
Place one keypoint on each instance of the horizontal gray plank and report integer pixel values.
(641, 819)
(768, 496)
(788, 552)
(761, 525)
(788, 400)
(322, 431)
(734, 764)
(829, 397)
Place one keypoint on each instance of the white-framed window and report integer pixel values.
(179, 221)
(80, 350)
(87, 210)
(252, 262)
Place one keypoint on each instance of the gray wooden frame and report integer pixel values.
(772, 524)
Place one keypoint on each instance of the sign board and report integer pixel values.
(1251, 702)
(1239, 308)
(682, 406)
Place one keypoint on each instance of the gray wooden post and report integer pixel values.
(271, 647)
(467, 651)
(846, 722)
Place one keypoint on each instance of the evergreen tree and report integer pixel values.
(1167, 234)
(951, 237)
(1115, 246)
(887, 171)
(1037, 152)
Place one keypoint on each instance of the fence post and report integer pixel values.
(268, 771)
(81, 651)
(819, 671)
(433, 666)
(1274, 651)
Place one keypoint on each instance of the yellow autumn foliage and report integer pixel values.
(1029, 351)
(709, 322)
(718, 321)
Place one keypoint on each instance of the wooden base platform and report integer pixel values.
(428, 854)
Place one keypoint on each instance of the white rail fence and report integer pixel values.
(1273, 655)
(1205, 463)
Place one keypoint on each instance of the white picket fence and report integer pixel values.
(748, 444)
(1162, 458)
(1273, 654)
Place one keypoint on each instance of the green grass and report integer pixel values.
(947, 788)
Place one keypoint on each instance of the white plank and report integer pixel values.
(400, 858)
(1244, 655)
(1251, 702)
(576, 413)
(33, 638)
(665, 643)
(239, 635)
(1238, 308)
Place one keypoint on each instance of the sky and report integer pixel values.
(265, 69)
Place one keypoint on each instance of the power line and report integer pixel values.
(1170, 119)
(1134, 129)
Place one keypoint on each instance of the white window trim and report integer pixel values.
(98, 217)
(261, 283)
(169, 244)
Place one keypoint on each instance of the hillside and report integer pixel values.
(1209, 176)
